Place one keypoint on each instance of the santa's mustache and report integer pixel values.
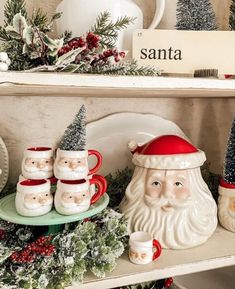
(35, 169)
(167, 202)
(68, 169)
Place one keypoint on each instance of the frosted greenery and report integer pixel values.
(74, 138)
(195, 15)
(91, 245)
(229, 166)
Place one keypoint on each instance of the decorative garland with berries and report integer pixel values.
(26, 41)
(30, 260)
(46, 262)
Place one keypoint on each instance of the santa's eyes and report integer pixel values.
(34, 198)
(178, 184)
(156, 184)
(47, 195)
(65, 162)
(33, 163)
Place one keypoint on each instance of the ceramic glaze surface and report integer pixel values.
(174, 206)
(37, 163)
(33, 200)
(226, 208)
(73, 165)
(4, 164)
(73, 197)
(142, 248)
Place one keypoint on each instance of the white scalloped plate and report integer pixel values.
(111, 134)
(4, 164)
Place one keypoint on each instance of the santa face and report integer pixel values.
(226, 208)
(71, 168)
(37, 168)
(72, 199)
(37, 163)
(72, 165)
(34, 204)
(140, 256)
(173, 206)
(167, 186)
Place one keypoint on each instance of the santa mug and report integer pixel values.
(33, 198)
(143, 249)
(74, 196)
(73, 165)
(37, 163)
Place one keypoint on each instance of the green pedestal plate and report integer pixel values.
(53, 220)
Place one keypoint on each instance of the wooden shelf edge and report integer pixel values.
(29, 84)
(158, 274)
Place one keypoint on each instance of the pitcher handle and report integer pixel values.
(160, 8)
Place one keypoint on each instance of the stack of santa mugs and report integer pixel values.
(77, 186)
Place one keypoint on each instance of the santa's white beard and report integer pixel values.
(36, 173)
(226, 216)
(30, 210)
(186, 224)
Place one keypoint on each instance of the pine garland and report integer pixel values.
(29, 47)
(87, 245)
(232, 16)
(108, 30)
(195, 15)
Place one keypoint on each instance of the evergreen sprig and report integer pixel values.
(11, 8)
(109, 30)
(232, 16)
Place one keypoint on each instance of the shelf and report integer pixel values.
(217, 252)
(57, 84)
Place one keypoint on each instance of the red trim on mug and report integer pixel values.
(39, 149)
(33, 182)
(73, 182)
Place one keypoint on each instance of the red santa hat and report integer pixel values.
(167, 152)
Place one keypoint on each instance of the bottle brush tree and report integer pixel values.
(195, 15)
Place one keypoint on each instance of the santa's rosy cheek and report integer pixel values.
(182, 193)
(232, 204)
(153, 191)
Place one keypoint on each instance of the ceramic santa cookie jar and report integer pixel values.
(167, 196)
(226, 201)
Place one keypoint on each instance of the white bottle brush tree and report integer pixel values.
(74, 138)
(195, 15)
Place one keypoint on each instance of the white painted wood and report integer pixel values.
(218, 252)
(83, 80)
(223, 278)
(57, 84)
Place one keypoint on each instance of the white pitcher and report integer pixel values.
(79, 15)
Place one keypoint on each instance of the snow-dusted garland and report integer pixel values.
(57, 261)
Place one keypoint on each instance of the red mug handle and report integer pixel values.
(102, 179)
(158, 252)
(101, 185)
(99, 161)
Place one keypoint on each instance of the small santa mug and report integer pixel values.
(37, 163)
(74, 196)
(33, 198)
(143, 249)
(73, 165)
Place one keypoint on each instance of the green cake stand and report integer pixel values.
(53, 220)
